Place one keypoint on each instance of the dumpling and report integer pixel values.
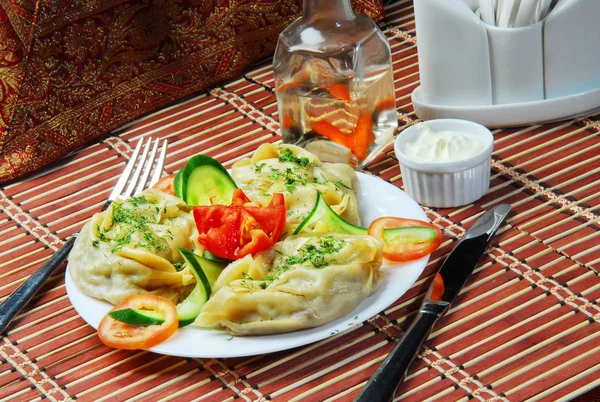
(304, 282)
(132, 247)
(298, 174)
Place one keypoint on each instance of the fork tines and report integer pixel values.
(138, 169)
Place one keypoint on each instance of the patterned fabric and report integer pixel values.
(72, 71)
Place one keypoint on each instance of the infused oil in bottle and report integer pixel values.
(334, 84)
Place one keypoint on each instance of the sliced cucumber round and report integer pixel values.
(139, 318)
(206, 273)
(177, 186)
(189, 309)
(322, 214)
(204, 181)
(409, 235)
(212, 269)
(211, 257)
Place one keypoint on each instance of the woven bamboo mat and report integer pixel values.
(526, 327)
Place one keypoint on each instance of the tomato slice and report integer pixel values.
(242, 228)
(165, 184)
(438, 288)
(117, 334)
(405, 239)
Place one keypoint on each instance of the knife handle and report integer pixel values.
(382, 385)
(20, 297)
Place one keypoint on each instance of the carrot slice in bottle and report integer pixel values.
(286, 85)
(287, 121)
(363, 136)
(386, 103)
(340, 91)
(330, 131)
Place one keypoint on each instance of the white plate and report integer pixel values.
(377, 198)
(511, 114)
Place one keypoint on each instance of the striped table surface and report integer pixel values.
(525, 327)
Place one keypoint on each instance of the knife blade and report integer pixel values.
(447, 283)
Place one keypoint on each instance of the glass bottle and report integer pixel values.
(334, 84)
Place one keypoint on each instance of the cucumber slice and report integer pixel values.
(211, 257)
(204, 181)
(324, 215)
(409, 235)
(177, 184)
(140, 318)
(212, 269)
(189, 309)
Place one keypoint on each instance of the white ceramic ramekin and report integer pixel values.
(446, 184)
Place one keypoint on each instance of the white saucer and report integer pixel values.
(512, 114)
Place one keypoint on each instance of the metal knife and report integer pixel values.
(445, 287)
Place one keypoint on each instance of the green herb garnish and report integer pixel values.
(137, 201)
(130, 219)
(291, 178)
(288, 156)
(313, 253)
(258, 167)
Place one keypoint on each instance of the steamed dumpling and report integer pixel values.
(299, 175)
(304, 282)
(131, 247)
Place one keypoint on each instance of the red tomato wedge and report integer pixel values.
(117, 334)
(405, 239)
(242, 228)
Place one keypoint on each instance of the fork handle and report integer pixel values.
(20, 297)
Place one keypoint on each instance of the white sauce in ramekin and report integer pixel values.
(441, 146)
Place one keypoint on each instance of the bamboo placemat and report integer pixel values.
(526, 327)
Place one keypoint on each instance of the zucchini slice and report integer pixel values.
(204, 181)
(323, 215)
(139, 318)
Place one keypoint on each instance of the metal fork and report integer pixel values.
(136, 173)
